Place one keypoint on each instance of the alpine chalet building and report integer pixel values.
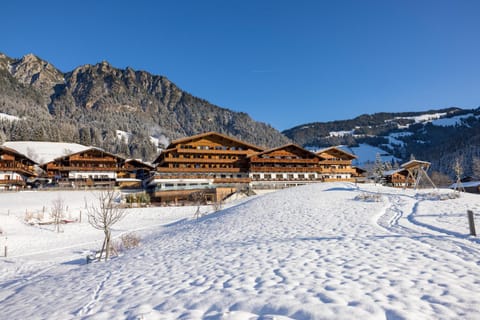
(217, 165)
(213, 163)
(15, 169)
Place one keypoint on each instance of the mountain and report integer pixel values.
(121, 110)
(439, 136)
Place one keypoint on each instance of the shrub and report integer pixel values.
(368, 197)
(126, 242)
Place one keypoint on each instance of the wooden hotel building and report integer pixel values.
(15, 169)
(210, 162)
(90, 168)
(336, 165)
(285, 166)
(219, 165)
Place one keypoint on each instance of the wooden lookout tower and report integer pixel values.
(417, 170)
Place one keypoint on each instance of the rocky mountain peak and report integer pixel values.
(33, 71)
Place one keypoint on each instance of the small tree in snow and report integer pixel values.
(198, 198)
(378, 169)
(458, 169)
(58, 212)
(103, 216)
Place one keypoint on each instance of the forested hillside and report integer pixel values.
(126, 111)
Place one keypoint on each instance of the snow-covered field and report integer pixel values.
(311, 252)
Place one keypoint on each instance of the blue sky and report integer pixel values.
(283, 62)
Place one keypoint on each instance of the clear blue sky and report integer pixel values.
(283, 62)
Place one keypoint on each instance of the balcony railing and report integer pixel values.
(284, 169)
(75, 168)
(92, 159)
(274, 160)
(214, 151)
(338, 170)
(200, 170)
(18, 167)
(12, 182)
(337, 162)
(199, 160)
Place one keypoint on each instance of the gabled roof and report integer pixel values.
(337, 149)
(415, 163)
(393, 171)
(139, 162)
(284, 147)
(83, 151)
(212, 133)
(16, 153)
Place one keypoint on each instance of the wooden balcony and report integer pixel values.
(201, 170)
(214, 151)
(18, 167)
(289, 161)
(336, 162)
(284, 169)
(51, 167)
(197, 160)
(338, 171)
(12, 182)
(92, 159)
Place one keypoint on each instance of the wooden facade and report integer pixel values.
(284, 166)
(133, 173)
(212, 160)
(15, 169)
(336, 165)
(91, 167)
(201, 162)
(398, 178)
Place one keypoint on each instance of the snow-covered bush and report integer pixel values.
(368, 197)
(435, 196)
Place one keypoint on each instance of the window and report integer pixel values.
(267, 176)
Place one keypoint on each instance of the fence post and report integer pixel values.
(471, 223)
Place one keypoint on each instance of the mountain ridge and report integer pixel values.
(440, 136)
(90, 103)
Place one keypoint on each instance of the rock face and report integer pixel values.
(33, 71)
(100, 99)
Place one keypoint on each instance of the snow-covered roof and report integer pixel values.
(43, 151)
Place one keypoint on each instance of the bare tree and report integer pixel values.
(458, 169)
(476, 167)
(58, 212)
(103, 216)
(198, 198)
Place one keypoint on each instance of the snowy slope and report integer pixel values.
(313, 252)
(366, 154)
(42, 151)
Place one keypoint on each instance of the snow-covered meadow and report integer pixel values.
(311, 252)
